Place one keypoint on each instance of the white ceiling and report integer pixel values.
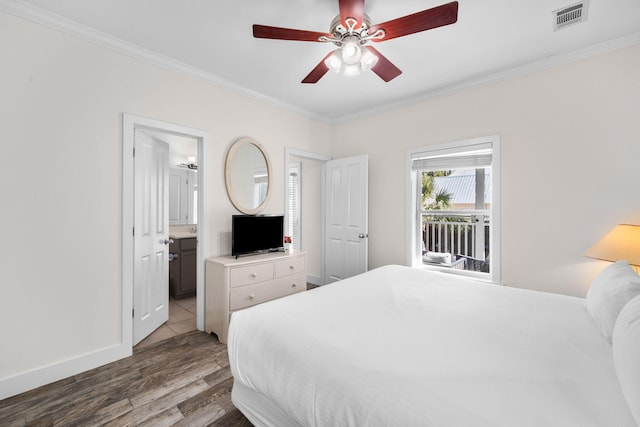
(492, 39)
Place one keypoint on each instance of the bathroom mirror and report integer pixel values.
(247, 175)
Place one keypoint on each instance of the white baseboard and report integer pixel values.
(34, 378)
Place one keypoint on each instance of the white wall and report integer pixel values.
(61, 178)
(570, 163)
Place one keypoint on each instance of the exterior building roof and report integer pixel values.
(462, 188)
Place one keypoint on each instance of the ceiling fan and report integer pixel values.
(352, 29)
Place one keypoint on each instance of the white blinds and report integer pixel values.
(451, 162)
(293, 206)
(470, 157)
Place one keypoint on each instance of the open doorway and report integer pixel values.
(304, 208)
(187, 147)
(326, 212)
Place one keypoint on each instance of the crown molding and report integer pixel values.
(549, 62)
(75, 29)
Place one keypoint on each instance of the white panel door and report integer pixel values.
(346, 217)
(151, 234)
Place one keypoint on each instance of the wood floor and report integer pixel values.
(182, 381)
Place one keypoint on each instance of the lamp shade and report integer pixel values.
(334, 61)
(351, 51)
(368, 61)
(623, 242)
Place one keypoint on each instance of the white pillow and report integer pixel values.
(442, 257)
(616, 285)
(626, 354)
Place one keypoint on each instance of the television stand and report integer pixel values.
(268, 251)
(234, 284)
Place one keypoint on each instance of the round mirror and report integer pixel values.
(248, 175)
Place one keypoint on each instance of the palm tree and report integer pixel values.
(439, 201)
(442, 199)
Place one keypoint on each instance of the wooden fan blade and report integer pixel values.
(351, 9)
(384, 68)
(278, 33)
(421, 21)
(317, 73)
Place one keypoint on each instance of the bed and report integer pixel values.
(399, 346)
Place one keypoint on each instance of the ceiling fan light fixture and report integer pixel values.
(352, 70)
(351, 50)
(334, 61)
(368, 60)
(351, 29)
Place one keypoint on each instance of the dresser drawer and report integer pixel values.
(246, 275)
(289, 266)
(296, 283)
(247, 296)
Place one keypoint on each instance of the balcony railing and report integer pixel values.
(458, 233)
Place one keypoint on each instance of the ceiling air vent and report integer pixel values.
(570, 15)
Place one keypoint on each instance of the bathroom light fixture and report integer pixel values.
(191, 162)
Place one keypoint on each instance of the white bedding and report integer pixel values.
(402, 346)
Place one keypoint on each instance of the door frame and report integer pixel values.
(323, 158)
(129, 123)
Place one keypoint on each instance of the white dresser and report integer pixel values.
(233, 284)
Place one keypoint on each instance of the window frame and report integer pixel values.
(413, 212)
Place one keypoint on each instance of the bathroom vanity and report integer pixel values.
(182, 265)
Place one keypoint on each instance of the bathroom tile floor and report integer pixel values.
(182, 318)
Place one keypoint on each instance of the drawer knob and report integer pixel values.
(292, 267)
(293, 285)
(254, 275)
(252, 297)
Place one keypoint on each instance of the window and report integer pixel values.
(453, 198)
(293, 205)
(260, 186)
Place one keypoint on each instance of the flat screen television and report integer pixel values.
(252, 234)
